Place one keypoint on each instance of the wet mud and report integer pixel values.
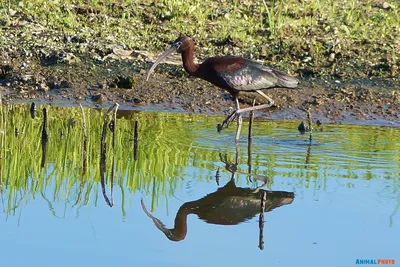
(100, 84)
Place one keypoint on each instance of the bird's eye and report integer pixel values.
(178, 44)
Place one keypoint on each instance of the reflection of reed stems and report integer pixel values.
(45, 138)
(395, 211)
(308, 154)
(44, 152)
(102, 173)
(113, 151)
(84, 144)
(50, 205)
(135, 140)
(3, 141)
(84, 155)
(261, 220)
(103, 154)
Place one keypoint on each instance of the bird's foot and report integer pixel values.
(226, 122)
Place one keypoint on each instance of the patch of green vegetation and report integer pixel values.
(325, 36)
(168, 150)
(156, 171)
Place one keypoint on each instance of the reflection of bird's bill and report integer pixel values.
(160, 59)
(156, 221)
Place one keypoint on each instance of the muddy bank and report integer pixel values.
(99, 84)
(99, 59)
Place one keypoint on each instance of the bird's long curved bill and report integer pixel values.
(159, 59)
(156, 221)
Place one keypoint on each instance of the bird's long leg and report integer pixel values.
(228, 120)
(237, 156)
(239, 120)
(230, 117)
(237, 112)
(263, 106)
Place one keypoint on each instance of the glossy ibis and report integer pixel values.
(229, 205)
(231, 73)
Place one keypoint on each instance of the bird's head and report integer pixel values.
(180, 45)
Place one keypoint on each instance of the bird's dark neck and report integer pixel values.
(180, 228)
(188, 63)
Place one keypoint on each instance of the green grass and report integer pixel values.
(291, 34)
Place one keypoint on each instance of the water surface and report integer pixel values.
(329, 202)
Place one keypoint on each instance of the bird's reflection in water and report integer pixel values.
(229, 205)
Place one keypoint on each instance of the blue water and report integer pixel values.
(345, 208)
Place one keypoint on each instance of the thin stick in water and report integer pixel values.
(251, 119)
(250, 139)
(309, 120)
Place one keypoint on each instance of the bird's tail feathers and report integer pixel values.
(285, 80)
